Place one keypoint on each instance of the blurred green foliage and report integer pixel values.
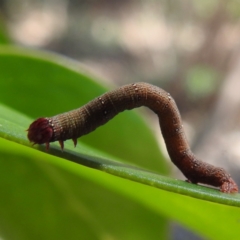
(201, 81)
(3, 34)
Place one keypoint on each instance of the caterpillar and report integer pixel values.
(81, 121)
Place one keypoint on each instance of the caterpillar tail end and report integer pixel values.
(229, 186)
(40, 132)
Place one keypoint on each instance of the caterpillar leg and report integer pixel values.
(47, 146)
(75, 142)
(61, 144)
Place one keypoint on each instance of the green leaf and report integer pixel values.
(41, 200)
(46, 195)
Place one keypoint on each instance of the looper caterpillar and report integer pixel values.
(99, 111)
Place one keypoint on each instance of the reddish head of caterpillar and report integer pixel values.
(40, 132)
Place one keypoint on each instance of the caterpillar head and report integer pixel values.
(40, 132)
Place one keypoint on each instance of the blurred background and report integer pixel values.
(189, 48)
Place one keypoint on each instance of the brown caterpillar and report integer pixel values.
(81, 121)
